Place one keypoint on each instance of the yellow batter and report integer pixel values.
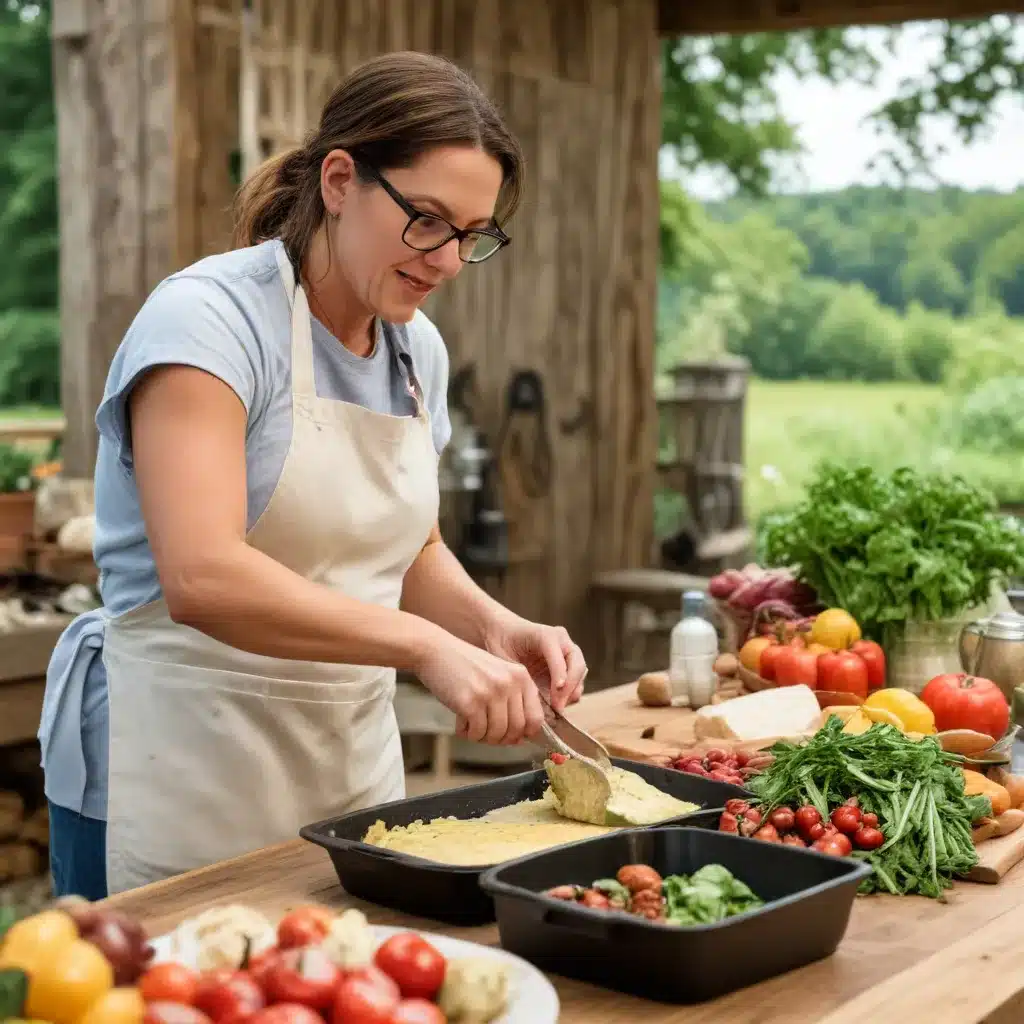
(510, 832)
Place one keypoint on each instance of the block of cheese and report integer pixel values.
(783, 711)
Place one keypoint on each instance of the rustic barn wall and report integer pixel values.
(572, 298)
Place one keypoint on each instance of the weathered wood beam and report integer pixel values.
(684, 17)
(115, 80)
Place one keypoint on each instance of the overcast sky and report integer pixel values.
(839, 145)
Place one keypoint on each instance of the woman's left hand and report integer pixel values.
(555, 663)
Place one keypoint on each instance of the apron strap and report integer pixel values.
(303, 382)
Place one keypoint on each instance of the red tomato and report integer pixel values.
(418, 1011)
(304, 926)
(173, 1013)
(416, 967)
(307, 976)
(290, 1013)
(168, 983)
(225, 994)
(259, 965)
(843, 672)
(874, 657)
(768, 664)
(960, 701)
(796, 666)
(365, 996)
(836, 846)
(846, 819)
(867, 838)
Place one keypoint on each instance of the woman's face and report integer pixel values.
(390, 279)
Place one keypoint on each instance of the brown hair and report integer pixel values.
(386, 114)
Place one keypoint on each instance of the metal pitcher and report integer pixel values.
(993, 648)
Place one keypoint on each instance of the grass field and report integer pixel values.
(791, 425)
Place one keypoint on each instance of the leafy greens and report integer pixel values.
(709, 895)
(895, 548)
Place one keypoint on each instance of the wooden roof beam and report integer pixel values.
(686, 17)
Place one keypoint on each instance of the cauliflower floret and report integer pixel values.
(220, 935)
(350, 942)
(475, 990)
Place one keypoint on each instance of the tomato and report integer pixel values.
(418, 1011)
(174, 1013)
(835, 846)
(118, 1006)
(304, 926)
(294, 1013)
(866, 838)
(306, 976)
(869, 821)
(37, 939)
(846, 819)
(752, 652)
(874, 657)
(63, 987)
(259, 965)
(807, 816)
(835, 628)
(225, 994)
(843, 672)
(169, 983)
(365, 996)
(414, 964)
(796, 666)
(783, 819)
(770, 660)
(960, 701)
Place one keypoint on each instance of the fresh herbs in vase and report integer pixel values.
(897, 548)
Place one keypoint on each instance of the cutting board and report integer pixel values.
(997, 856)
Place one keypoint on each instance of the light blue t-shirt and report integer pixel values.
(229, 314)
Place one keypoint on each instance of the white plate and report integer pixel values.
(533, 998)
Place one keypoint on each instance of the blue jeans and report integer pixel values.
(78, 854)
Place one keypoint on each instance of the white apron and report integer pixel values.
(214, 751)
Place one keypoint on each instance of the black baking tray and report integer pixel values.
(445, 892)
(808, 898)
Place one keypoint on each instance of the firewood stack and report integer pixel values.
(24, 838)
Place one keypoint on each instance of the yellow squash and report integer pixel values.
(976, 784)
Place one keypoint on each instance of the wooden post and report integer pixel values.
(114, 79)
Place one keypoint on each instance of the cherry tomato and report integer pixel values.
(259, 965)
(304, 926)
(307, 976)
(783, 819)
(814, 833)
(293, 1013)
(835, 846)
(807, 816)
(414, 964)
(736, 806)
(365, 996)
(793, 840)
(846, 819)
(558, 758)
(173, 1013)
(418, 1011)
(869, 820)
(868, 838)
(169, 983)
(843, 672)
(225, 994)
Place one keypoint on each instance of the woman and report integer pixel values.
(266, 507)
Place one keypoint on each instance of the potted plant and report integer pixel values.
(17, 503)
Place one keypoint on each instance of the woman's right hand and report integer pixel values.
(495, 701)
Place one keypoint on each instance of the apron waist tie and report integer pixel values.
(60, 728)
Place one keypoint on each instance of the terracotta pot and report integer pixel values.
(17, 513)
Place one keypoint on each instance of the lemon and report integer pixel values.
(913, 713)
(883, 716)
(37, 939)
(834, 628)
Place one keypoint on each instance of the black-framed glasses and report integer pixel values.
(426, 232)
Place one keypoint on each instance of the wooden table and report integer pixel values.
(906, 959)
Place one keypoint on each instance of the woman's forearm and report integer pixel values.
(439, 589)
(250, 601)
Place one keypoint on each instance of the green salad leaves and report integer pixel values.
(895, 548)
(710, 894)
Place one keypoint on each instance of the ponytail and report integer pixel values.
(271, 197)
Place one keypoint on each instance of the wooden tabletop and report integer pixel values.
(907, 959)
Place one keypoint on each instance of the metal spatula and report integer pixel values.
(562, 736)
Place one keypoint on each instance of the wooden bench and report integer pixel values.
(658, 591)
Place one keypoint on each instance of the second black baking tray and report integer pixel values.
(448, 893)
(807, 897)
